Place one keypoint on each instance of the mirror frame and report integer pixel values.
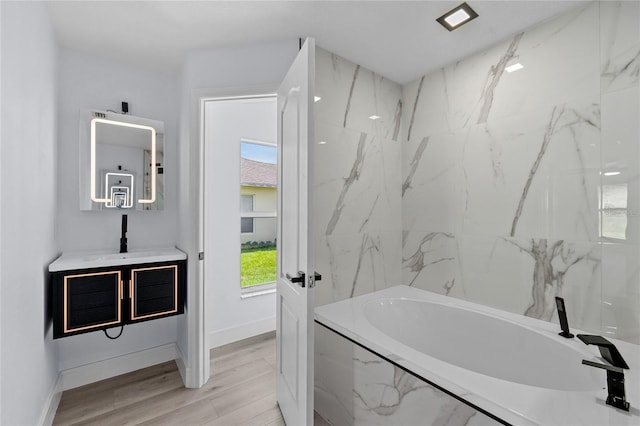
(91, 198)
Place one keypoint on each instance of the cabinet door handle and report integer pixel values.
(121, 289)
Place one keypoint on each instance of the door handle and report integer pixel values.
(299, 279)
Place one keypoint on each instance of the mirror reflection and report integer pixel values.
(121, 162)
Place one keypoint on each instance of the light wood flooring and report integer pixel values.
(241, 391)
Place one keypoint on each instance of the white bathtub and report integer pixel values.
(510, 367)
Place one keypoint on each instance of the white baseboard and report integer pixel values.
(51, 405)
(233, 334)
(100, 370)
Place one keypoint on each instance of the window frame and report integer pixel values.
(248, 214)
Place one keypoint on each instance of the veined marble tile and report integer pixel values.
(384, 394)
(619, 44)
(621, 291)
(620, 190)
(560, 64)
(358, 263)
(560, 59)
(431, 184)
(535, 175)
(350, 94)
(368, 390)
(524, 276)
(357, 182)
(430, 261)
(333, 380)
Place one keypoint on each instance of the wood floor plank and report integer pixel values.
(91, 400)
(240, 391)
(148, 388)
(239, 396)
(199, 413)
(249, 414)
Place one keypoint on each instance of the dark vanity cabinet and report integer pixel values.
(100, 298)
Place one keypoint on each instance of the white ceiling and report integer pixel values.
(398, 39)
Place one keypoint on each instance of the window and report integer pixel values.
(258, 199)
(246, 206)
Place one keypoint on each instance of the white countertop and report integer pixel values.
(98, 259)
(515, 403)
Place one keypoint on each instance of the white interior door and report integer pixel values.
(295, 281)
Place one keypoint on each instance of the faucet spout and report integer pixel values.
(123, 235)
(615, 369)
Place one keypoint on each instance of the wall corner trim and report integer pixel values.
(51, 404)
(185, 372)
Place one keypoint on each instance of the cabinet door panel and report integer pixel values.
(79, 319)
(154, 292)
(91, 300)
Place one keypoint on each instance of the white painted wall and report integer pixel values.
(27, 209)
(0, 210)
(228, 316)
(206, 72)
(88, 82)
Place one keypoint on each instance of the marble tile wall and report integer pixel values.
(357, 179)
(355, 387)
(509, 188)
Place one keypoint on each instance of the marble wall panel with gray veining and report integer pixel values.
(560, 64)
(432, 194)
(521, 186)
(621, 292)
(357, 263)
(357, 181)
(350, 94)
(621, 166)
(431, 262)
(371, 391)
(525, 275)
(357, 213)
(619, 44)
(535, 175)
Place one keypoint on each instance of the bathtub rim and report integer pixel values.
(509, 402)
(540, 328)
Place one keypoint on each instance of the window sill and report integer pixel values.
(258, 290)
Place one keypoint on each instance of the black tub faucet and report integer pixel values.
(123, 235)
(615, 371)
(562, 316)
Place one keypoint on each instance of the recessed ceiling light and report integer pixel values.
(374, 117)
(611, 173)
(316, 98)
(515, 67)
(457, 16)
(322, 143)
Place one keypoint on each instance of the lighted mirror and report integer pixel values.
(121, 162)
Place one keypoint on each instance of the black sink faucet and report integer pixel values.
(615, 371)
(123, 235)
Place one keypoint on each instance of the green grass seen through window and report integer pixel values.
(257, 266)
